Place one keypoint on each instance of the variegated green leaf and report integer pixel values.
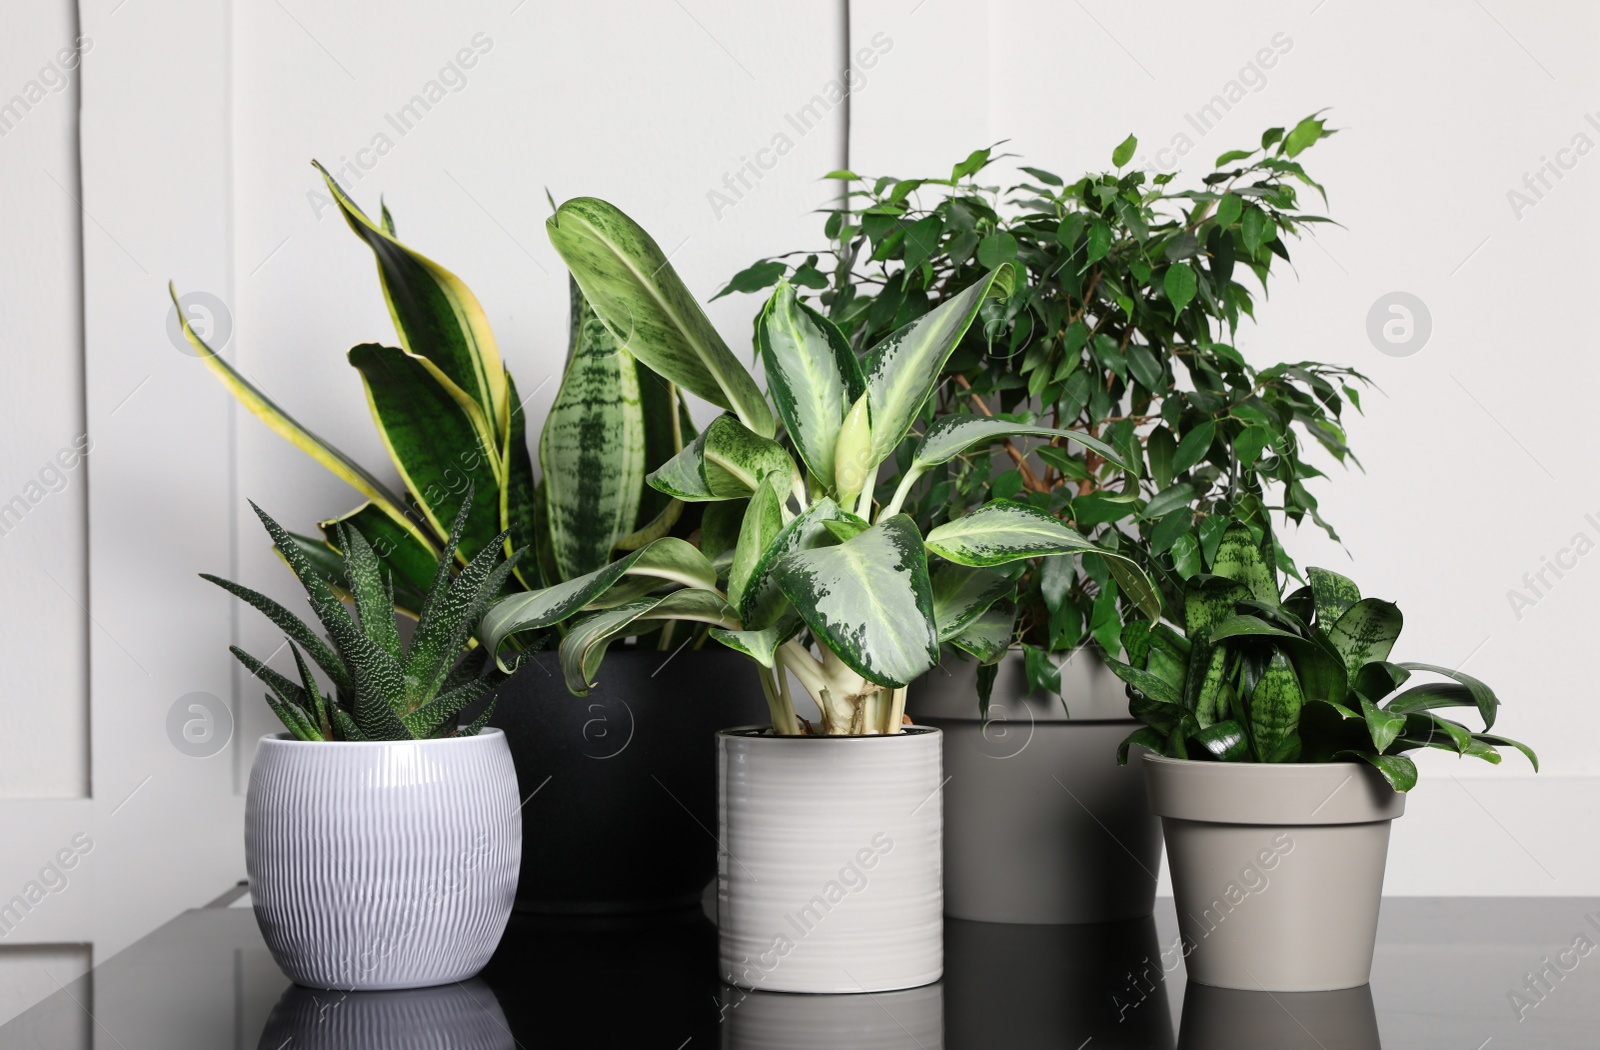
(1398, 770)
(641, 298)
(727, 461)
(592, 448)
(1275, 712)
(1383, 725)
(667, 429)
(1332, 593)
(961, 593)
(868, 600)
(668, 558)
(584, 647)
(446, 623)
(286, 426)
(763, 521)
(903, 369)
(520, 498)
(812, 374)
(440, 452)
(989, 635)
(374, 602)
(435, 315)
(761, 646)
(1488, 704)
(762, 600)
(1239, 557)
(1004, 531)
(950, 436)
(1365, 632)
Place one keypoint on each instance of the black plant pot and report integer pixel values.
(620, 786)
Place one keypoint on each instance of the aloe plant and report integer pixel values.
(811, 558)
(382, 690)
(1258, 678)
(452, 421)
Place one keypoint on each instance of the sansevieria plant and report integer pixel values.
(382, 690)
(452, 421)
(815, 560)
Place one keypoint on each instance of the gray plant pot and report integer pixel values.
(1277, 869)
(1040, 823)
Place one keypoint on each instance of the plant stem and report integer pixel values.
(900, 494)
(782, 723)
(897, 711)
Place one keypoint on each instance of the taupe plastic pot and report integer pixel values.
(1040, 823)
(1277, 869)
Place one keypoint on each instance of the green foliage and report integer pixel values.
(1307, 678)
(1127, 292)
(381, 690)
(449, 415)
(815, 558)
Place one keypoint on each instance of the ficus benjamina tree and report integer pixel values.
(801, 565)
(1256, 677)
(1127, 296)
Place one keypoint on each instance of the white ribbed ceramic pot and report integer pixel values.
(382, 865)
(830, 874)
(1277, 868)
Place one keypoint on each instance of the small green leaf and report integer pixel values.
(1179, 284)
(1124, 152)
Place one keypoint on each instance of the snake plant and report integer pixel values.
(382, 690)
(452, 420)
(815, 559)
(1258, 678)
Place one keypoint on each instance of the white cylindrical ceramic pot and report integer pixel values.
(906, 1020)
(829, 877)
(382, 865)
(1277, 869)
(1040, 823)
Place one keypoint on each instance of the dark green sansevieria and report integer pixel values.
(382, 690)
(1307, 678)
(804, 555)
(451, 419)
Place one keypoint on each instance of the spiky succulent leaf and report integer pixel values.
(437, 641)
(374, 603)
(318, 708)
(868, 600)
(294, 627)
(407, 564)
(426, 720)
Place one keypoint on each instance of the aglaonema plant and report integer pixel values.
(816, 560)
(1129, 294)
(452, 421)
(382, 689)
(1307, 678)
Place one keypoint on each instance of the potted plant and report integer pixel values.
(616, 774)
(830, 872)
(382, 838)
(1128, 294)
(1276, 729)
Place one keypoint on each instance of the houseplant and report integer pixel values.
(809, 811)
(1128, 295)
(382, 839)
(1276, 728)
(451, 417)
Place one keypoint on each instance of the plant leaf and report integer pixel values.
(903, 369)
(1275, 712)
(592, 448)
(435, 315)
(1481, 694)
(763, 521)
(727, 461)
(1398, 770)
(868, 600)
(644, 302)
(668, 558)
(1333, 594)
(439, 449)
(812, 375)
(1239, 558)
(949, 436)
(584, 647)
(1365, 633)
(961, 593)
(762, 600)
(989, 636)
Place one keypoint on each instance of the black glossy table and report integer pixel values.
(1456, 974)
